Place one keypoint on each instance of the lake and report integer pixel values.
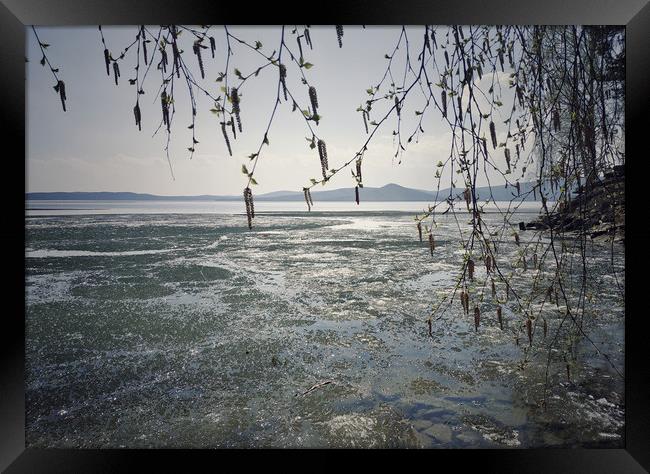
(170, 324)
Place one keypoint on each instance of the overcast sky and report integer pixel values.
(95, 145)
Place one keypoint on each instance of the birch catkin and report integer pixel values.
(225, 136)
(138, 116)
(163, 60)
(308, 38)
(493, 134)
(313, 98)
(322, 153)
(107, 61)
(250, 211)
(234, 98)
(61, 89)
(116, 71)
(464, 301)
(306, 192)
(283, 77)
(339, 35)
(443, 96)
(196, 48)
(144, 45)
(164, 102)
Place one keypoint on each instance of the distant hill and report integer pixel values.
(118, 196)
(389, 192)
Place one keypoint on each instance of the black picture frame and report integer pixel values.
(16, 14)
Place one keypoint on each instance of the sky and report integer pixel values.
(96, 146)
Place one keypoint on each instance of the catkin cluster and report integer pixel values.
(196, 48)
(60, 88)
(308, 198)
(308, 38)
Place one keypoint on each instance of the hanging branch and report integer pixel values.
(59, 87)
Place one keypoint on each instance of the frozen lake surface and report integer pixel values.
(173, 325)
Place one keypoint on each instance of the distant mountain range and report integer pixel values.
(389, 192)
